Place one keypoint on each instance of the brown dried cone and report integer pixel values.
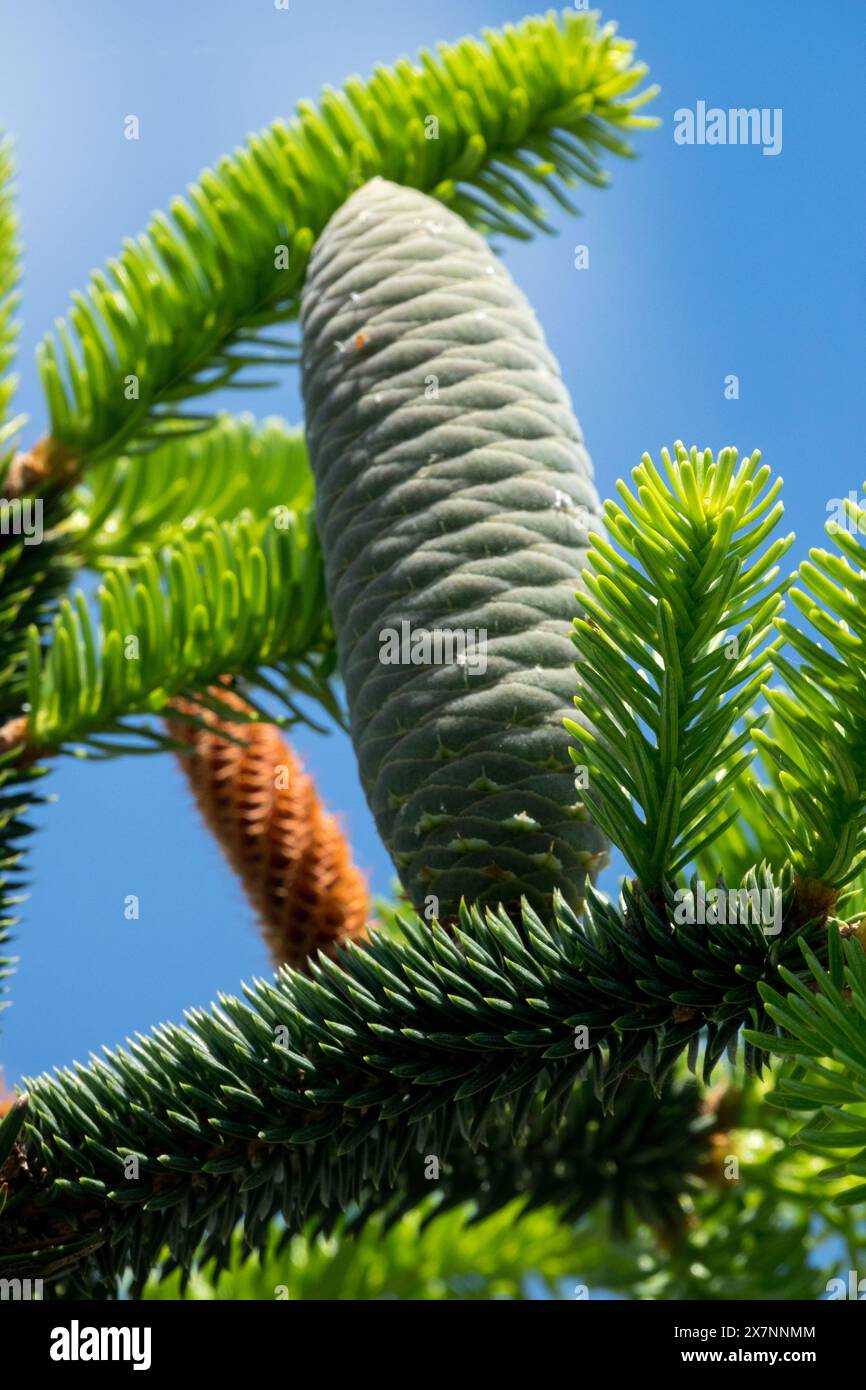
(290, 855)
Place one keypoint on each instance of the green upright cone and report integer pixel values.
(454, 495)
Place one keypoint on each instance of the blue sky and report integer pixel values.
(705, 261)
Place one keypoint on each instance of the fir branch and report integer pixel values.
(310, 1096)
(47, 463)
(244, 596)
(423, 1255)
(824, 1045)
(131, 1185)
(751, 1232)
(747, 1241)
(819, 742)
(189, 306)
(751, 838)
(748, 1231)
(132, 504)
(31, 579)
(9, 299)
(679, 606)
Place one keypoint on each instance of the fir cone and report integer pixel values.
(290, 855)
(454, 497)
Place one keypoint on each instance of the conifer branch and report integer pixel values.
(734, 1239)
(674, 651)
(31, 579)
(423, 1254)
(48, 463)
(186, 1178)
(242, 597)
(823, 1045)
(819, 742)
(751, 838)
(127, 506)
(190, 306)
(499, 1043)
(10, 252)
(311, 1094)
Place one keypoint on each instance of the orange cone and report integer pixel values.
(290, 855)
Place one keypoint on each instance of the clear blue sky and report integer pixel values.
(704, 261)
